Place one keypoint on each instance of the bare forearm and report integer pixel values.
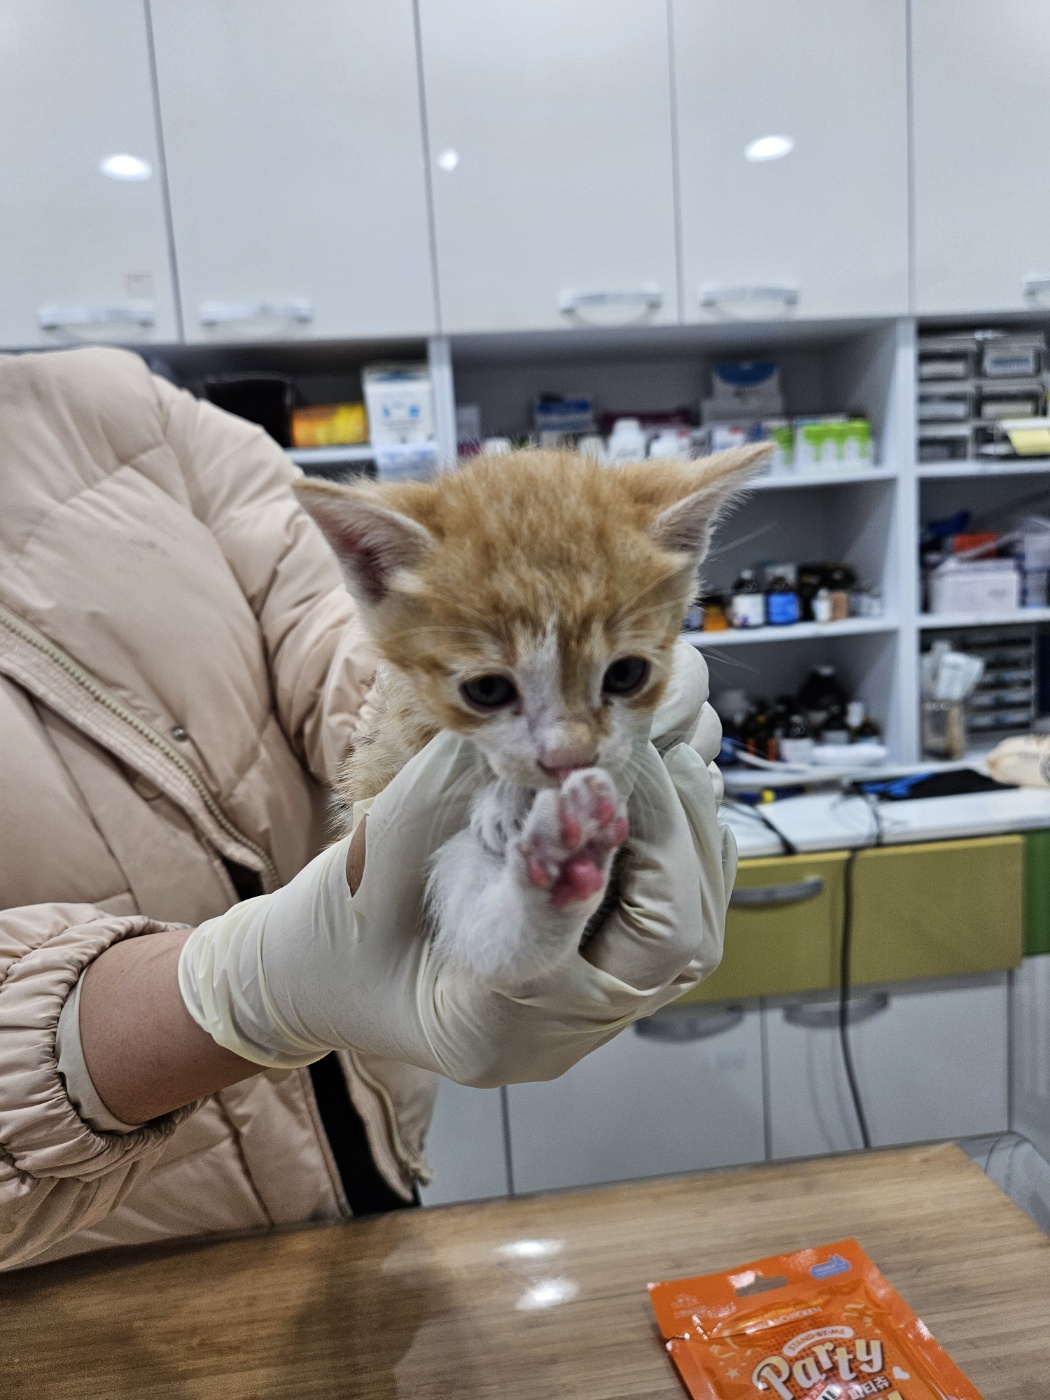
(145, 1053)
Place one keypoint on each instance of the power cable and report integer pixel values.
(846, 969)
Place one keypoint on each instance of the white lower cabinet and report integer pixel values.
(932, 1062)
(641, 1105)
(465, 1146)
(1030, 1013)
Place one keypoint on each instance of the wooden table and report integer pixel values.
(429, 1304)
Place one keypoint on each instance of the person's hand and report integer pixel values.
(684, 716)
(283, 979)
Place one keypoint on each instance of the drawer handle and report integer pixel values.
(643, 299)
(60, 318)
(679, 1024)
(224, 313)
(824, 1015)
(1036, 286)
(763, 896)
(712, 298)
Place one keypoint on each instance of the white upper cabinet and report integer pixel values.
(550, 141)
(295, 163)
(821, 230)
(83, 254)
(981, 76)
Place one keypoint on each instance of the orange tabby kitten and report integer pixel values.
(531, 603)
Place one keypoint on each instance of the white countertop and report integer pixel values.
(833, 821)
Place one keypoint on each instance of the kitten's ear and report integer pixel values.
(704, 489)
(373, 543)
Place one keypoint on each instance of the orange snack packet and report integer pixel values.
(822, 1324)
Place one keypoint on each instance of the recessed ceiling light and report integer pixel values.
(125, 167)
(448, 160)
(770, 148)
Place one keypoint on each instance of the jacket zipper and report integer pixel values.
(414, 1167)
(98, 692)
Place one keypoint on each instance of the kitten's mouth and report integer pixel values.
(560, 772)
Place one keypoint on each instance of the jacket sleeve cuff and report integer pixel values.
(42, 1135)
(73, 1071)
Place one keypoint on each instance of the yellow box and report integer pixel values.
(329, 425)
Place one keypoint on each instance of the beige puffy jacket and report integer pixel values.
(180, 673)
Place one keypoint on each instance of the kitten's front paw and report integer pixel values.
(570, 836)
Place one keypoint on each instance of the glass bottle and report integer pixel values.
(797, 744)
(715, 618)
(819, 693)
(782, 608)
(749, 602)
(841, 579)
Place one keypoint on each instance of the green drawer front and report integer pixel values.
(937, 910)
(1036, 892)
(776, 948)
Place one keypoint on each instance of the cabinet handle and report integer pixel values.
(824, 1015)
(1036, 286)
(224, 313)
(678, 1024)
(711, 298)
(765, 895)
(59, 318)
(642, 298)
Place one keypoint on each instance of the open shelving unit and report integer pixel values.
(859, 516)
(797, 632)
(867, 518)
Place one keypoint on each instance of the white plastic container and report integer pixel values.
(671, 443)
(1034, 559)
(975, 586)
(627, 442)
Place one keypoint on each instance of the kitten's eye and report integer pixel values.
(489, 692)
(626, 676)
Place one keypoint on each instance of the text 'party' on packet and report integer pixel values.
(821, 1324)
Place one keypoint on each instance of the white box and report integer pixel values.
(400, 404)
(975, 586)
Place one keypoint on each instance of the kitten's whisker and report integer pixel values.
(721, 659)
(741, 539)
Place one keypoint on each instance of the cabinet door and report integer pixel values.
(1030, 1034)
(83, 255)
(939, 909)
(823, 230)
(641, 1106)
(783, 928)
(981, 104)
(550, 133)
(465, 1146)
(295, 163)
(931, 1062)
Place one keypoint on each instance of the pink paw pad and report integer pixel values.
(570, 836)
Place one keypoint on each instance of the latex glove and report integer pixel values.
(283, 979)
(684, 716)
